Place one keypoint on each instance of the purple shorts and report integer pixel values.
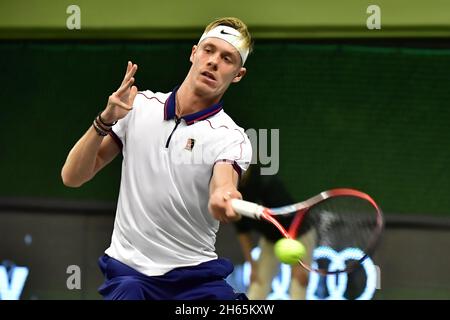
(205, 281)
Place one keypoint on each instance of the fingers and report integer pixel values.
(133, 93)
(123, 105)
(229, 212)
(131, 70)
(216, 212)
(220, 205)
(124, 87)
(227, 196)
(129, 66)
(233, 194)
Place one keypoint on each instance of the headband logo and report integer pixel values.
(223, 32)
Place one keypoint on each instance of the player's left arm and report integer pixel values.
(223, 188)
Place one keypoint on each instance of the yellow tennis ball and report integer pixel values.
(289, 251)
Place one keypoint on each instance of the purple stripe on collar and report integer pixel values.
(170, 105)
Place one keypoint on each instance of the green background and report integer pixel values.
(371, 118)
(350, 113)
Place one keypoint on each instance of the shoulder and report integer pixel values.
(149, 97)
(223, 123)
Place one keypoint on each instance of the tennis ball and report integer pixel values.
(289, 251)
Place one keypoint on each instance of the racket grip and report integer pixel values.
(247, 209)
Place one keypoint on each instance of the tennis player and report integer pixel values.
(182, 159)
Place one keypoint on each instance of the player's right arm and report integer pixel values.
(93, 152)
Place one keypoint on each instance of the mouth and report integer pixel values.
(208, 75)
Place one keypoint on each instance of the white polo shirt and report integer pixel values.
(162, 220)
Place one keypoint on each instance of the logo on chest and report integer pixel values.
(190, 144)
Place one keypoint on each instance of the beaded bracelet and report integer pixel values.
(101, 126)
(103, 122)
(100, 132)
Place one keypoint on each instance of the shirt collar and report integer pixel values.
(169, 110)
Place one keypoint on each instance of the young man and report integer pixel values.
(182, 158)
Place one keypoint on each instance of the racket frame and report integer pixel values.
(300, 209)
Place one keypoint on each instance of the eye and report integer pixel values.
(207, 49)
(228, 59)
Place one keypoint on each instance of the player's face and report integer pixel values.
(215, 65)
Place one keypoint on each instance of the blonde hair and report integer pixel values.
(234, 23)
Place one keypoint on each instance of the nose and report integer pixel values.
(213, 61)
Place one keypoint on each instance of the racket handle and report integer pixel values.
(248, 209)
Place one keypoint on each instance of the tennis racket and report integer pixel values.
(340, 219)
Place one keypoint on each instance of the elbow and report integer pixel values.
(69, 180)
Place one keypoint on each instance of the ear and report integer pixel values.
(240, 75)
(194, 50)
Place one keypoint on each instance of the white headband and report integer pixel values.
(230, 35)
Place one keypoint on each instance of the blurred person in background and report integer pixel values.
(268, 191)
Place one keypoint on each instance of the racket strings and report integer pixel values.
(344, 223)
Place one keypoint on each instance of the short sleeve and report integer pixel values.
(118, 132)
(237, 151)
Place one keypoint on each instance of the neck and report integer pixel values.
(188, 101)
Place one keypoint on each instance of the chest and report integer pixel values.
(173, 140)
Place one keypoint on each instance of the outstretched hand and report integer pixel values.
(121, 101)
